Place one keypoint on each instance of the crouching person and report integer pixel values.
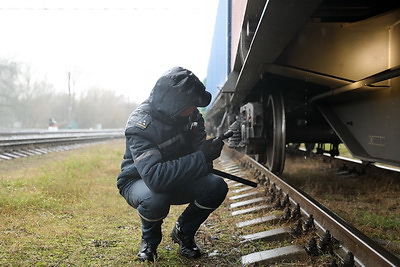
(168, 162)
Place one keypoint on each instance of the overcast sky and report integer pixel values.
(123, 45)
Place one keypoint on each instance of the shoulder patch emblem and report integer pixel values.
(143, 122)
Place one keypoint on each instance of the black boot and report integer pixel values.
(191, 219)
(187, 246)
(151, 237)
(147, 251)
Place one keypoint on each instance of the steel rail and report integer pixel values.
(366, 252)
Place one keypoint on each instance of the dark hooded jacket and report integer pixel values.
(162, 148)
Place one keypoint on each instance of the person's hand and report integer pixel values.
(211, 148)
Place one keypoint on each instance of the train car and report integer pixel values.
(318, 72)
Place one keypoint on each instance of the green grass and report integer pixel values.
(374, 220)
(63, 209)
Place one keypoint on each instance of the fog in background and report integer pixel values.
(87, 63)
(27, 103)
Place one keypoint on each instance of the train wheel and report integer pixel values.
(276, 133)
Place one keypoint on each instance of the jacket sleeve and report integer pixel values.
(159, 175)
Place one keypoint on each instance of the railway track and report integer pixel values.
(305, 230)
(28, 143)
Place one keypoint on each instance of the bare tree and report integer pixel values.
(8, 92)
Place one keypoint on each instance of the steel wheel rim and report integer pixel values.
(276, 133)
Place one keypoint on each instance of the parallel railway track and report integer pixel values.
(28, 143)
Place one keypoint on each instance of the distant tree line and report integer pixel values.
(28, 103)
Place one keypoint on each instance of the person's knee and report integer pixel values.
(155, 207)
(217, 190)
(220, 187)
(151, 206)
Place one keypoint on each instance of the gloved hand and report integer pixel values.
(211, 148)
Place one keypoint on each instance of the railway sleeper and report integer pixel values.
(277, 255)
(28, 151)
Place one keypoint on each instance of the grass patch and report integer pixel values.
(63, 209)
(374, 220)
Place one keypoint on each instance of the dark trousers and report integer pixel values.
(203, 195)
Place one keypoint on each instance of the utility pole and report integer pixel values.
(69, 101)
